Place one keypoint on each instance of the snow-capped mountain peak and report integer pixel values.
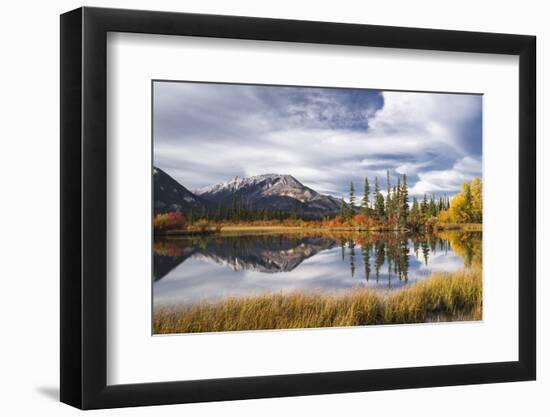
(265, 181)
(272, 191)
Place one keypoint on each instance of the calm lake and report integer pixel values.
(188, 270)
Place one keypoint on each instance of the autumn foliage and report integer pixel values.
(393, 214)
(169, 221)
(466, 206)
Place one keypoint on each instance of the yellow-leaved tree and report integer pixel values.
(477, 200)
(466, 206)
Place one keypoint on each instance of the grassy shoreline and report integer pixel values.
(466, 227)
(243, 228)
(441, 297)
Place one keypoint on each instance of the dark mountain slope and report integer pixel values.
(170, 195)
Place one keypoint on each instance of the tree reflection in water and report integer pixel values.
(274, 253)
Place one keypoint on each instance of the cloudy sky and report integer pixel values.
(205, 134)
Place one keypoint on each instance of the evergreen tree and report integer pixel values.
(249, 210)
(378, 201)
(389, 204)
(351, 211)
(389, 211)
(293, 215)
(234, 207)
(365, 202)
(432, 210)
(415, 210)
(396, 209)
(343, 214)
(240, 215)
(404, 201)
(416, 206)
(424, 206)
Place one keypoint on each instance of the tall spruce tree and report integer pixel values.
(234, 207)
(343, 214)
(397, 201)
(365, 202)
(293, 214)
(389, 204)
(432, 208)
(415, 210)
(351, 211)
(404, 201)
(240, 215)
(378, 201)
(424, 206)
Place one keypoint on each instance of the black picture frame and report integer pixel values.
(84, 207)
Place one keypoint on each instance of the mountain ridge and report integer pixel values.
(276, 192)
(170, 195)
(271, 191)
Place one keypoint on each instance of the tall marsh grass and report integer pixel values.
(441, 297)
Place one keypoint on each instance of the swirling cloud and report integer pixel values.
(325, 137)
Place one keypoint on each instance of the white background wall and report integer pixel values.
(29, 177)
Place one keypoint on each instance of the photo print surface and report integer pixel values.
(283, 207)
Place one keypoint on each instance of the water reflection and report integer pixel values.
(193, 269)
(266, 253)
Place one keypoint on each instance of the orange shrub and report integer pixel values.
(360, 218)
(169, 221)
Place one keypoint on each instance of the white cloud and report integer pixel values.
(206, 136)
(433, 119)
(449, 180)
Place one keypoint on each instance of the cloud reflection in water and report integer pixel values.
(208, 269)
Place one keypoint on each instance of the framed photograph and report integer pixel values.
(257, 208)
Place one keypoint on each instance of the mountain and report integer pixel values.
(170, 195)
(274, 192)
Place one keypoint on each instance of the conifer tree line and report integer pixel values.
(240, 210)
(396, 208)
(393, 208)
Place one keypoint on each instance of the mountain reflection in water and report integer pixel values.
(207, 268)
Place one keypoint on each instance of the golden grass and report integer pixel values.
(441, 297)
(258, 229)
(467, 227)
